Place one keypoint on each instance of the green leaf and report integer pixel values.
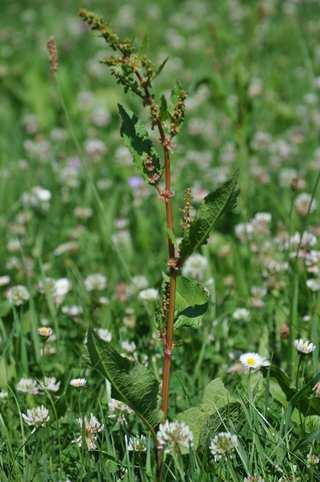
(164, 112)
(132, 383)
(139, 144)
(213, 206)
(215, 397)
(191, 302)
(161, 67)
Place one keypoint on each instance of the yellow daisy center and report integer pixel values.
(251, 361)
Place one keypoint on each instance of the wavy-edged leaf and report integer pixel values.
(132, 383)
(211, 209)
(139, 144)
(215, 397)
(191, 302)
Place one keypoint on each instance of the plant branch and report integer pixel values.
(166, 195)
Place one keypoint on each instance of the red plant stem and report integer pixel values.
(168, 338)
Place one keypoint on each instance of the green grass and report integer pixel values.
(247, 71)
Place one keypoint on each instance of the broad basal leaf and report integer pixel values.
(131, 382)
(140, 145)
(215, 398)
(191, 302)
(211, 209)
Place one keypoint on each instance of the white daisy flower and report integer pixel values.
(304, 346)
(253, 361)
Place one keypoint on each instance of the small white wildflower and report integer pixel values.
(149, 294)
(78, 382)
(50, 383)
(174, 436)
(313, 284)
(316, 390)
(253, 361)
(72, 310)
(104, 334)
(195, 267)
(118, 410)
(61, 287)
(91, 427)
(313, 459)
(253, 478)
(18, 295)
(304, 204)
(241, 314)
(45, 331)
(137, 443)
(223, 445)
(28, 385)
(3, 394)
(139, 283)
(95, 282)
(304, 346)
(128, 346)
(37, 416)
(4, 280)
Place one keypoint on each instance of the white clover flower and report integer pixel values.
(28, 385)
(244, 231)
(37, 416)
(37, 197)
(195, 267)
(253, 361)
(68, 247)
(118, 410)
(62, 287)
(137, 443)
(241, 314)
(42, 194)
(104, 334)
(304, 346)
(18, 295)
(223, 445)
(50, 383)
(95, 148)
(78, 382)
(149, 294)
(73, 310)
(4, 280)
(304, 204)
(139, 283)
(91, 427)
(174, 436)
(95, 282)
(3, 394)
(128, 346)
(316, 390)
(313, 459)
(313, 284)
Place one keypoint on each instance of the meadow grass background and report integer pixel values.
(252, 72)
